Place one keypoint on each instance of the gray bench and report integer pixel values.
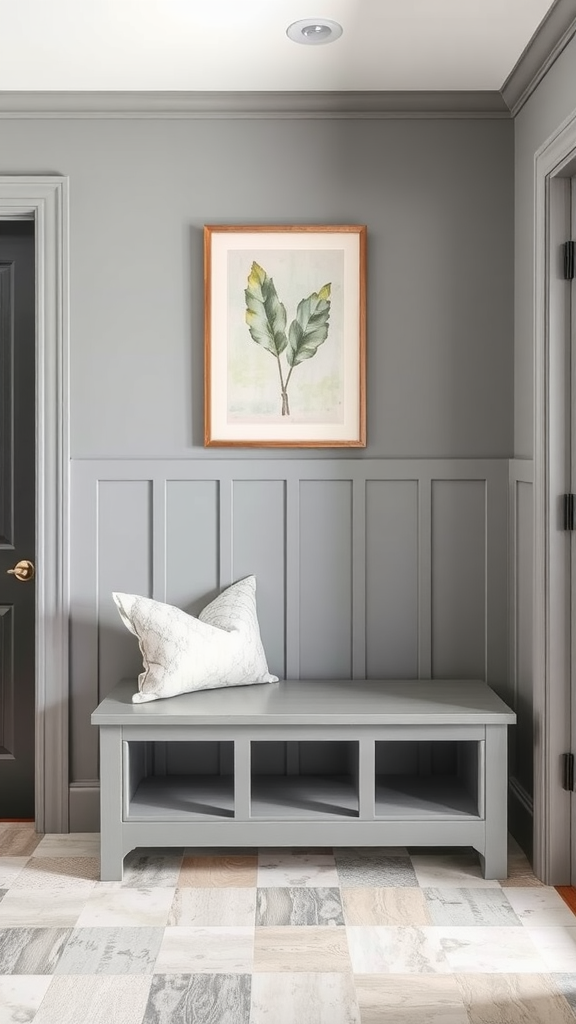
(298, 763)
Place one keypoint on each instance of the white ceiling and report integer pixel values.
(189, 45)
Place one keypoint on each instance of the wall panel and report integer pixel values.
(378, 568)
(392, 579)
(125, 552)
(459, 583)
(192, 549)
(259, 548)
(326, 578)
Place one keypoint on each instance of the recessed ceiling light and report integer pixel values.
(314, 31)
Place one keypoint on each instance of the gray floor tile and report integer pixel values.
(298, 906)
(566, 984)
(469, 906)
(145, 869)
(111, 951)
(199, 999)
(31, 950)
(371, 867)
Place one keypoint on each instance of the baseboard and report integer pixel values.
(84, 807)
(521, 816)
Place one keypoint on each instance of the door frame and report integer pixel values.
(45, 199)
(555, 163)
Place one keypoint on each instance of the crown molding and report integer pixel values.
(251, 104)
(551, 37)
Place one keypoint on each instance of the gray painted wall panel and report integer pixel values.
(259, 531)
(392, 579)
(192, 573)
(326, 579)
(524, 741)
(459, 579)
(349, 570)
(125, 565)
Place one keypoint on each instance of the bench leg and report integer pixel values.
(495, 863)
(111, 847)
(495, 858)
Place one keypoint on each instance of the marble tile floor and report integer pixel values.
(315, 936)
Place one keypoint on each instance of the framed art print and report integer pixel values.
(285, 336)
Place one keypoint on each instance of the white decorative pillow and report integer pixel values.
(222, 647)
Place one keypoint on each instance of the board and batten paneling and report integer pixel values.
(365, 568)
(519, 694)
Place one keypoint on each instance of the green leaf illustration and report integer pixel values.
(265, 314)
(310, 328)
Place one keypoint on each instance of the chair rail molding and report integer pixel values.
(45, 200)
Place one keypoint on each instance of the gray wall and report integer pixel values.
(403, 582)
(436, 194)
(549, 106)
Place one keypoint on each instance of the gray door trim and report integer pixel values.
(45, 199)
(553, 164)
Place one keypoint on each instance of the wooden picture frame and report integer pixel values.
(285, 336)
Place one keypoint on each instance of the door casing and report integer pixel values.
(555, 164)
(45, 199)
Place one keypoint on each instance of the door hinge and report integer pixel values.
(570, 511)
(569, 261)
(568, 773)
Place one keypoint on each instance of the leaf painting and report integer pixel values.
(266, 319)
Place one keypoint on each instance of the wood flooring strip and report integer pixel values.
(568, 894)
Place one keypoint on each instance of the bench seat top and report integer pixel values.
(315, 702)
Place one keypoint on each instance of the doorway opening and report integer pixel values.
(43, 200)
(17, 518)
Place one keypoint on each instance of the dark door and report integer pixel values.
(17, 518)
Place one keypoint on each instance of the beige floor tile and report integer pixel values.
(462, 871)
(62, 874)
(400, 906)
(556, 944)
(491, 950)
(378, 949)
(312, 950)
(76, 844)
(222, 872)
(513, 999)
(214, 908)
(10, 868)
(206, 951)
(117, 908)
(304, 999)
(18, 840)
(409, 999)
(520, 872)
(32, 909)
(100, 999)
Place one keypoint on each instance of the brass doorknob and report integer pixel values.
(23, 570)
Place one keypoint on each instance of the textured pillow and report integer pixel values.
(222, 647)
